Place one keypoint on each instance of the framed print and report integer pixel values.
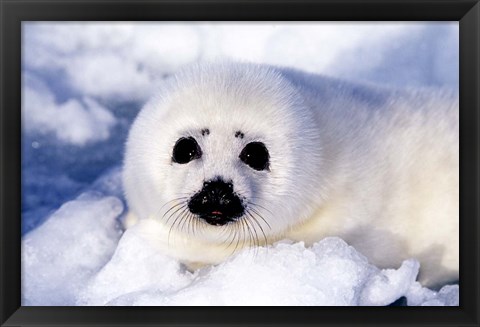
(206, 163)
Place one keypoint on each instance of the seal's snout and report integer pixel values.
(216, 203)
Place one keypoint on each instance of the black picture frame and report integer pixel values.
(13, 12)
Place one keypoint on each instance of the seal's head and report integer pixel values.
(225, 153)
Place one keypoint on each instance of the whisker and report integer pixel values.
(263, 233)
(191, 229)
(176, 199)
(181, 199)
(185, 220)
(234, 236)
(260, 226)
(257, 238)
(170, 231)
(242, 236)
(173, 207)
(260, 206)
(256, 243)
(254, 237)
(194, 223)
(182, 207)
(232, 231)
(250, 236)
(174, 222)
(260, 216)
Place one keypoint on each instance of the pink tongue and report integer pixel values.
(216, 213)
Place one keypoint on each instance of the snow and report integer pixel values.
(124, 61)
(59, 256)
(129, 271)
(73, 121)
(82, 86)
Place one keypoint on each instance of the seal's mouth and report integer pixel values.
(216, 218)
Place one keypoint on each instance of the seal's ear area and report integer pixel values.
(255, 155)
(185, 150)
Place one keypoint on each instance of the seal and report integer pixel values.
(234, 155)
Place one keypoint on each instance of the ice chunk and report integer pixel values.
(135, 267)
(448, 295)
(61, 254)
(328, 273)
(66, 262)
(390, 284)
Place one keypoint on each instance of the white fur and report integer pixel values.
(377, 167)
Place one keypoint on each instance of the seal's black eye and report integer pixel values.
(185, 150)
(256, 155)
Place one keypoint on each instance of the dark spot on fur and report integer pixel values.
(239, 134)
(205, 131)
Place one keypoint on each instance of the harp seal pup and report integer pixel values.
(232, 155)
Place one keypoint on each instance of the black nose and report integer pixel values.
(216, 203)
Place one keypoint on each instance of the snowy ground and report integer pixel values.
(83, 84)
